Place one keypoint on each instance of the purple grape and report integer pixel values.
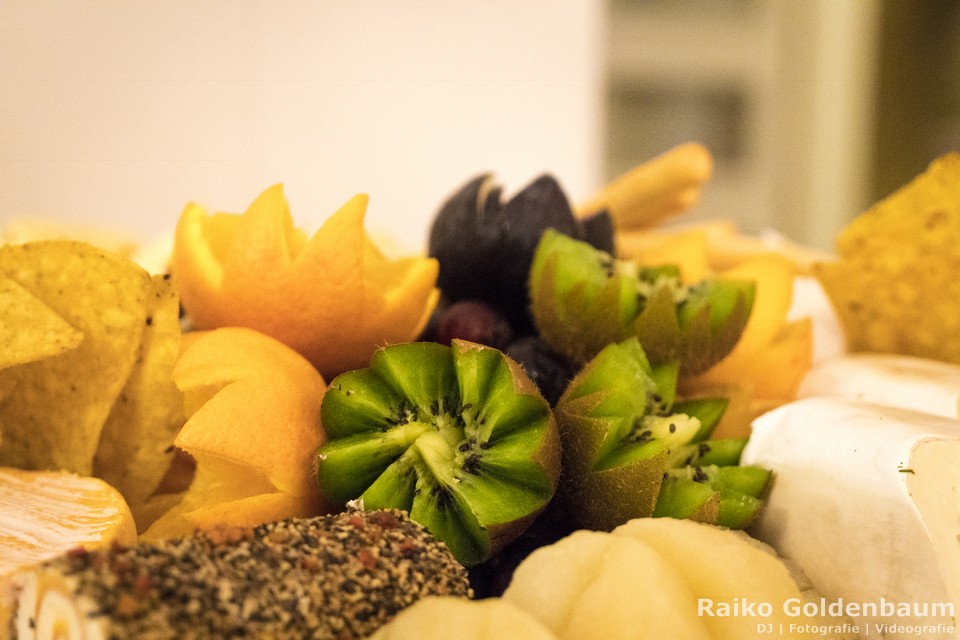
(476, 321)
(549, 369)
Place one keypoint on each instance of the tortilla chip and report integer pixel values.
(29, 329)
(55, 409)
(136, 445)
(896, 284)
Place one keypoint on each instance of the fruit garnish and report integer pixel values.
(549, 369)
(728, 496)
(772, 355)
(473, 321)
(583, 299)
(485, 246)
(48, 513)
(714, 244)
(655, 578)
(253, 409)
(334, 297)
(458, 436)
(632, 450)
(894, 284)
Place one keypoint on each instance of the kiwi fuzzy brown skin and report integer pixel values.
(623, 433)
(601, 499)
(485, 246)
(547, 456)
(583, 299)
(458, 436)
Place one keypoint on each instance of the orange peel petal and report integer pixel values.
(334, 297)
(263, 409)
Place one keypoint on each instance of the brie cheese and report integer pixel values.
(892, 379)
(865, 500)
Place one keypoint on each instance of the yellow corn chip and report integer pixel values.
(54, 409)
(896, 284)
(29, 329)
(136, 445)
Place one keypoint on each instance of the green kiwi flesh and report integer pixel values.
(729, 496)
(583, 299)
(457, 436)
(628, 443)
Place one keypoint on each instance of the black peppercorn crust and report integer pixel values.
(333, 577)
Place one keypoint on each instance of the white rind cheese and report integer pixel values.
(904, 381)
(865, 500)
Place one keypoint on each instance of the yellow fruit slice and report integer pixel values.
(774, 275)
(335, 297)
(253, 428)
(785, 360)
(764, 369)
(46, 513)
(688, 249)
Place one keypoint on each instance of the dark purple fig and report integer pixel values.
(485, 246)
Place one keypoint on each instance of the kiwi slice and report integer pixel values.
(458, 436)
(727, 496)
(583, 299)
(620, 429)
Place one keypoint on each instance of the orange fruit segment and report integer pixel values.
(764, 369)
(334, 297)
(47, 513)
(687, 248)
(253, 428)
(774, 276)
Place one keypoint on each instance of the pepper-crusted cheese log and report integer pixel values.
(338, 577)
(45, 513)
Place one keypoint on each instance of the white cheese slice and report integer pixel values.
(898, 380)
(865, 500)
(811, 301)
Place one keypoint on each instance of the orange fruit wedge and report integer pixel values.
(253, 428)
(335, 297)
(765, 367)
(47, 513)
(772, 355)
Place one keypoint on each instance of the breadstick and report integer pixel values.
(655, 190)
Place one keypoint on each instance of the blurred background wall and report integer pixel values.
(120, 113)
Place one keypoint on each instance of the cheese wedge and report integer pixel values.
(46, 513)
(898, 380)
(865, 500)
